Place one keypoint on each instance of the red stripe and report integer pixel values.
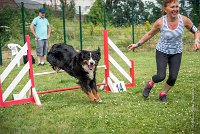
(132, 73)
(30, 62)
(17, 102)
(106, 60)
(1, 95)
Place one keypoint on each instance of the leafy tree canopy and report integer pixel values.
(96, 12)
(8, 20)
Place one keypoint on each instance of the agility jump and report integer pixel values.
(108, 59)
(30, 86)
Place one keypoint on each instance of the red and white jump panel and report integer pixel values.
(29, 86)
(109, 76)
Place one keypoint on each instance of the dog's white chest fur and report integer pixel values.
(90, 72)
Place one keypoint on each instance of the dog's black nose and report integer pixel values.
(91, 63)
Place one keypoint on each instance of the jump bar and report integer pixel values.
(60, 71)
(64, 89)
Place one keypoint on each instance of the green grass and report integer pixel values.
(127, 112)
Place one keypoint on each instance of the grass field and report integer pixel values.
(70, 112)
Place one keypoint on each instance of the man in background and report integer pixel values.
(40, 28)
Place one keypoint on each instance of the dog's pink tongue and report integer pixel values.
(90, 67)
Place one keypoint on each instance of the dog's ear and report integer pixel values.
(99, 52)
(80, 55)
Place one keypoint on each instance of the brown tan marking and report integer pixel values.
(91, 96)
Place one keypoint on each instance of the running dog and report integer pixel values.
(81, 65)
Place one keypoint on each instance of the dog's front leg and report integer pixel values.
(91, 96)
(96, 94)
(86, 89)
(94, 90)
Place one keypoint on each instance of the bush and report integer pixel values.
(8, 21)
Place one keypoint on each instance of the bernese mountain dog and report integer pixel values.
(81, 65)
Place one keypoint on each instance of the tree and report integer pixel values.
(182, 9)
(195, 13)
(96, 12)
(152, 12)
(69, 8)
(120, 12)
(9, 19)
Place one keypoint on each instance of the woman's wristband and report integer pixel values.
(138, 44)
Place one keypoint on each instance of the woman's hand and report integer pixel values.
(196, 45)
(132, 46)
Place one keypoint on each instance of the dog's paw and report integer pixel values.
(98, 101)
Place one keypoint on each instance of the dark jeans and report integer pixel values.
(173, 61)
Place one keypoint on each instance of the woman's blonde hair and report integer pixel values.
(165, 2)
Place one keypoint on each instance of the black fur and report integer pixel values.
(81, 65)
